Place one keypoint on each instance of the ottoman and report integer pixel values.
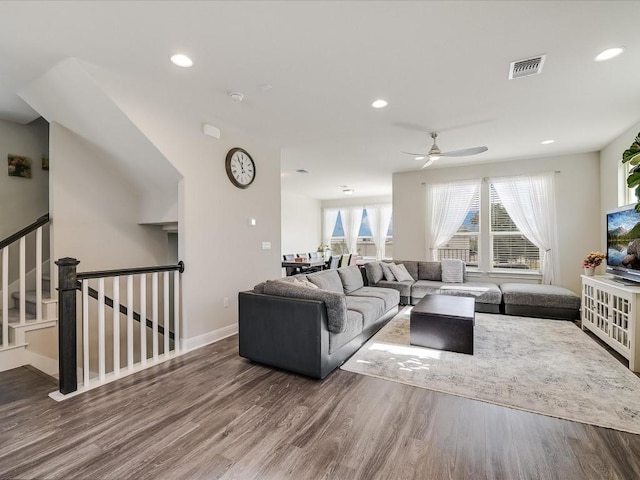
(444, 323)
(543, 301)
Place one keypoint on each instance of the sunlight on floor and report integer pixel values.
(415, 358)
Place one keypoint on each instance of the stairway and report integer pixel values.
(17, 354)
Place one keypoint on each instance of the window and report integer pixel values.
(488, 238)
(366, 244)
(509, 247)
(464, 244)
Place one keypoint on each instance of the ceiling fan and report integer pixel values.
(435, 153)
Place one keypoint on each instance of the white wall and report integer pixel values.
(94, 209)
(577, 199)
(301, 223)
(221, 252)
(23, 200)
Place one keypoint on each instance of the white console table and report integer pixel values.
(610, 310)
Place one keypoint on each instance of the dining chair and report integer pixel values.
(333, 262)
(344, 260)
(314, 255)
(289, 257)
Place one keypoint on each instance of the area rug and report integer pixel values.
(548, 367)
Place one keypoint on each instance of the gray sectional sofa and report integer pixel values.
(311, 324)
(427, 279)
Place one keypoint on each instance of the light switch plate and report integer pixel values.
(266, 245)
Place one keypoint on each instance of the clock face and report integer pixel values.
(240, 167)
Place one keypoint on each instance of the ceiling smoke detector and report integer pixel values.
(236, 96)
(526, 67)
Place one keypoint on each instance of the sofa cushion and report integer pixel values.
(430, 271)
(452, 270)
(387, 273)
(371, 308)
(537, 295)
(483, 292)
(335, 303)
(390, 296)
(353, 328)
(403, 287)
(327, 280)
(374, 272)
(351, 278)
(410, 265)
(425, 287)
(400, 272)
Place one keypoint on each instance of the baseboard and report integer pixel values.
(209, 337)
(42, 363)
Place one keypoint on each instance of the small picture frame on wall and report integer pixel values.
(45, 162)
(19, 166)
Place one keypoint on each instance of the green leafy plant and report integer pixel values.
(632, 156)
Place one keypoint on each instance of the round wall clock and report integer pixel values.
(241, 169)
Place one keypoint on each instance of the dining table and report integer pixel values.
(292, 267)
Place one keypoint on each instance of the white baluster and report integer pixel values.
(85, 332)
(154, 313)
(101, 332)
(23, 278)
(143, 319)
(176, 311)
(39, 273)
(165, 296)
(129, 321)
(5, 296)
(116, 326)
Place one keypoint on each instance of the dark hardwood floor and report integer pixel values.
(211, 414)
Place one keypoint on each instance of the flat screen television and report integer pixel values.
(623, 243)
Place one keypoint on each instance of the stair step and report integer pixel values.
(14, 316)
(31, 296)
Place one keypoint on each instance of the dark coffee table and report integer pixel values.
(443, 322)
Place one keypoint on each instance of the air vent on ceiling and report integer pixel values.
(526, 67)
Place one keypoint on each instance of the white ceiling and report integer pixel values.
(440, 65)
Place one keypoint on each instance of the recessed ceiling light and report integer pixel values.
(379, 104)
(181, 60)
(547, 142)
(420, 158)
(348, 191)
(609, 54)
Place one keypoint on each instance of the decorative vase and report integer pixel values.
(589, 271)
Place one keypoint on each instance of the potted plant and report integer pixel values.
(591, 261)
(632, 155)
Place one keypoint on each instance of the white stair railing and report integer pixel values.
(111, 348)
(9, 286)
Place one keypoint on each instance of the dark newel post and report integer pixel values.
(67, 350)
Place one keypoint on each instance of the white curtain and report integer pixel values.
(379, 217)
(351, 219)
(329, 223)
(530, 202)
(447, 207)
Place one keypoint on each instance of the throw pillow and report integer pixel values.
(327, 280)
(303, 282)
(452, 270)
(351, 278)
(400, 272)
(386, 271)
(374, 272)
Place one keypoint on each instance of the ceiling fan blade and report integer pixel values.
(416, 154)
(465, 152)
(429, 162)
